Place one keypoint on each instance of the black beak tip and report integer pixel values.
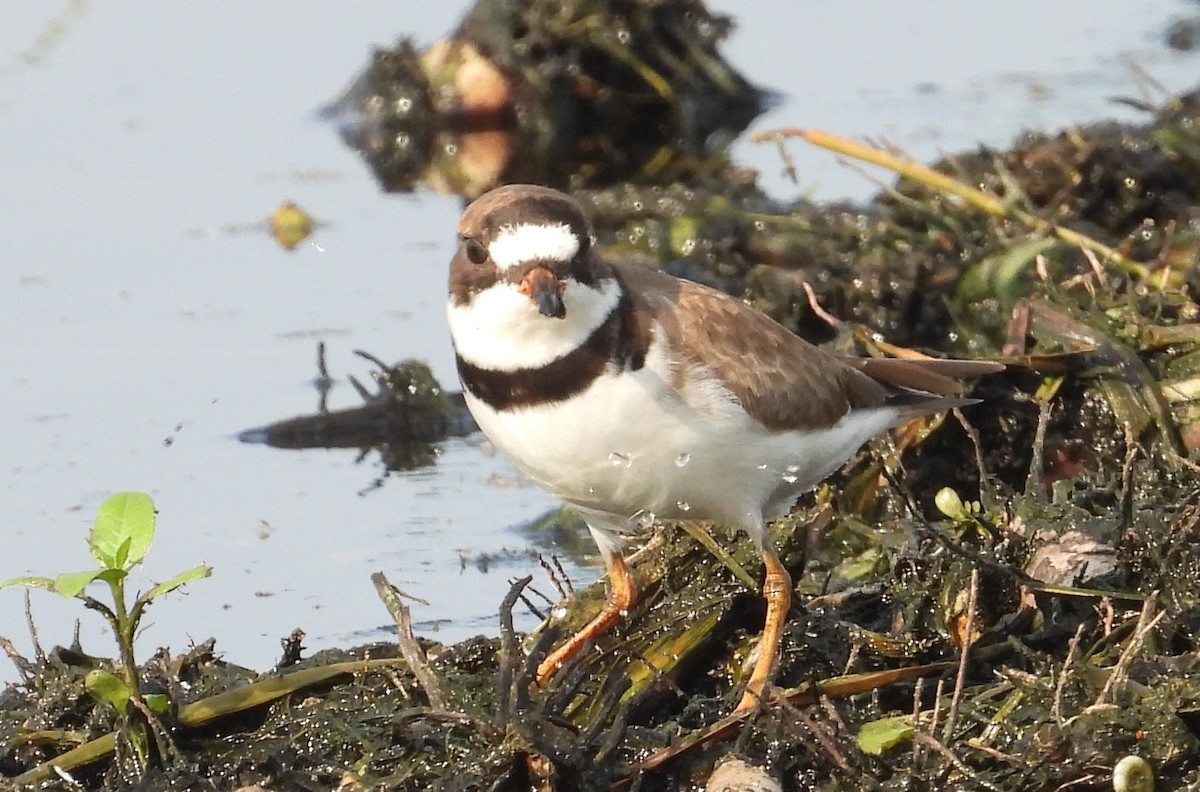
(551, 304)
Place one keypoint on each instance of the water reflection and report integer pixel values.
(588, 95)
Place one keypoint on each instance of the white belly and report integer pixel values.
(632, 447)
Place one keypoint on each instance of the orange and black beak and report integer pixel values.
(541, 286)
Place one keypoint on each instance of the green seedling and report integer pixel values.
(119, 539)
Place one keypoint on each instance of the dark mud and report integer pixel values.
(1009, 595)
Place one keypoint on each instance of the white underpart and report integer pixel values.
(518, 244)
(631, 447)
(502, 329)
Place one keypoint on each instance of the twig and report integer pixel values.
(25, 668)
(937, 705)
(508, 650)
(1034, 478)
(1116, 680)
(1072, 648)
(535, 590)
(964, 658)
(800, 696)
(978, 559)
(985, 489)
(1131, 452)
(1097, 268)
(821, 734)
(831, 710)
(959, 765)
(550, 573)
(429, 713)
(915, 761)
(976, 745)
(562, 573)
(816, 308)
(789, 166)
(409, 648)
(1146, 81)
(527, 679)
(1107, 615)
(167, 749)
(537, 612)
(38, 653)
(973, 197)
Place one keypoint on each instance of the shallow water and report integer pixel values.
(145, 323)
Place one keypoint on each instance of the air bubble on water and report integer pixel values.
(620, 460)
(763, 466)
(683, 459)
(789, 474)
(560, 612)
(683, 505)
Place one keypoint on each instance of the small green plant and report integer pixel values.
(119, 539)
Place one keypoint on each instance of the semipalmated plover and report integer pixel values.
(634, 396)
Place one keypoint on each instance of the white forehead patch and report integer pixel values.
(517, 244)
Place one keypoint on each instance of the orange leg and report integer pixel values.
(777, 590)
(622, 593)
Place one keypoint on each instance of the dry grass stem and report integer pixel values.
(964, 658)
(1117, 680)
(409, 648)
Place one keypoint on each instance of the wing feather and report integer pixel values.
(780, 379)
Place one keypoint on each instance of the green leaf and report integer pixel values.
(1003, 275)
(31, 581)
(126, 518)
(195, 573)
(157, 702)
(877, 736)
(122, 554)
(109, 688)
(71, 584)
(111, 576)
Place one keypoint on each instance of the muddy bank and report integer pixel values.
(1005, 598)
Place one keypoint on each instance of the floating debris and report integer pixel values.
(403, 418)
(560, 93)
(291, 225)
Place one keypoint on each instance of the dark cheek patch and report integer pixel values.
(467, 279)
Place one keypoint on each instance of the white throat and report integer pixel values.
(502, 330)
(517, 244)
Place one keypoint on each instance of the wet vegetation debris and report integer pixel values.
(561, 93)
(403, 418)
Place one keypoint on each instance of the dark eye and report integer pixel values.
(476, 253)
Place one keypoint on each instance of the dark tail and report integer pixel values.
(928, 375)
